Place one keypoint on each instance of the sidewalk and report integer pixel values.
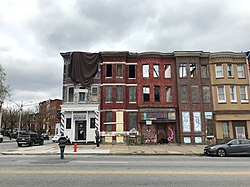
(109, 149)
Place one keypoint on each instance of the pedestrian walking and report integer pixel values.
(97, 137)
(62, 141)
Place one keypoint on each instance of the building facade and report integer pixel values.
(157, 101)
(194, 96)
(80, 106)
(118, 109)
(48, 111)
(230, 92)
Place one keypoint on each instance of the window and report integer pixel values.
(243, 94)
(119, 94)
(182, 70)
(204, 71)
(68, 123)
(225, 130)
(241, 71)
(108, 94)
(146, 94)
(119, 70)
(219, 71)
(82, 96)
(230, 71)
(184, 93)
(132, 120)
(169, 97)
(195, 94)
(94, 90)
(206, 94)
(92, 123)
(167, 72)
(109, 70)
(131, 69)
(193, 70)
(145, 71)
(186, 127)
(156, 70)
(71, 94)
(221, 94)
(197, 121)
(108, 120)
(233, 93)
(157, 93)
(132, 94)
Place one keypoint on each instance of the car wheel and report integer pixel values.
(221, 152)
(19, 145)
(1, 140)
(41, 143)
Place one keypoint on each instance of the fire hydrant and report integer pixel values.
(75, 147)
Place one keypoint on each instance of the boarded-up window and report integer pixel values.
(157, 93)
(167, 72)
(132, 120)
(146, 94)
(204, 71)
(156, 70)
(182, 71)
(108, 93)
(145, 71)
(193, 70)
(206, 94)
(131, 71)
(71, 94)
(184, 93)
(119, 93)
(109, 70)
(195, 94)
(108, 121)
(132, 94)
(169, 96)
(119, 70)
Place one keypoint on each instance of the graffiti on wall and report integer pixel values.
(170, 133)
(149, 134)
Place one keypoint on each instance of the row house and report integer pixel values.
(81, 98)
(118, 106)
(230, 92)
(157, 106)
(195, 108)
(184, 96)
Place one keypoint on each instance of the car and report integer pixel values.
(230, 147)
(1, 138)
(29, 139)
(55, 138)
(45, 136)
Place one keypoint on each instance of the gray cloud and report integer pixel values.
(31, 41)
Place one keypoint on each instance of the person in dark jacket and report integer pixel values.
(97, 137)
(62, 141)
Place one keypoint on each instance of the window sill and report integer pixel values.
(222, 102)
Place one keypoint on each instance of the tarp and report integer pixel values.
(83, 67)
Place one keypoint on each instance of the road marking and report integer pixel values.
(101, 162)
(45, 172)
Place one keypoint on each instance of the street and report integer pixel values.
(100, 170)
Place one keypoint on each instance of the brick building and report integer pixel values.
(194, 96)
(157, 101)
(48, 111)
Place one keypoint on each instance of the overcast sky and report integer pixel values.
(34, 32)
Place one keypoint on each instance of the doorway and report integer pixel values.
(80, 130)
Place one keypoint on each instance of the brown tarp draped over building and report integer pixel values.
(83, 67)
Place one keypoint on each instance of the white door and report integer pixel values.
(240, 132)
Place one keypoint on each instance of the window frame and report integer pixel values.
(108, 97)
(157, 93)
(169, 98)
(217, 71)
(130, 70)
(167, 71)
(224, 94)
(70, 97)
(232, 90)
(120, 96)
(119, 71)
(145, 71)
(183, 70)
(132, 94)
(191, 68)
(156, 68)
(146, 89)
(109, 70)
(241, 70)
(245, 93)
(230, 70)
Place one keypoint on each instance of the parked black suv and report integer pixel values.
(29, 138)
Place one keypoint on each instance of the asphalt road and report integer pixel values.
(88, 170)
